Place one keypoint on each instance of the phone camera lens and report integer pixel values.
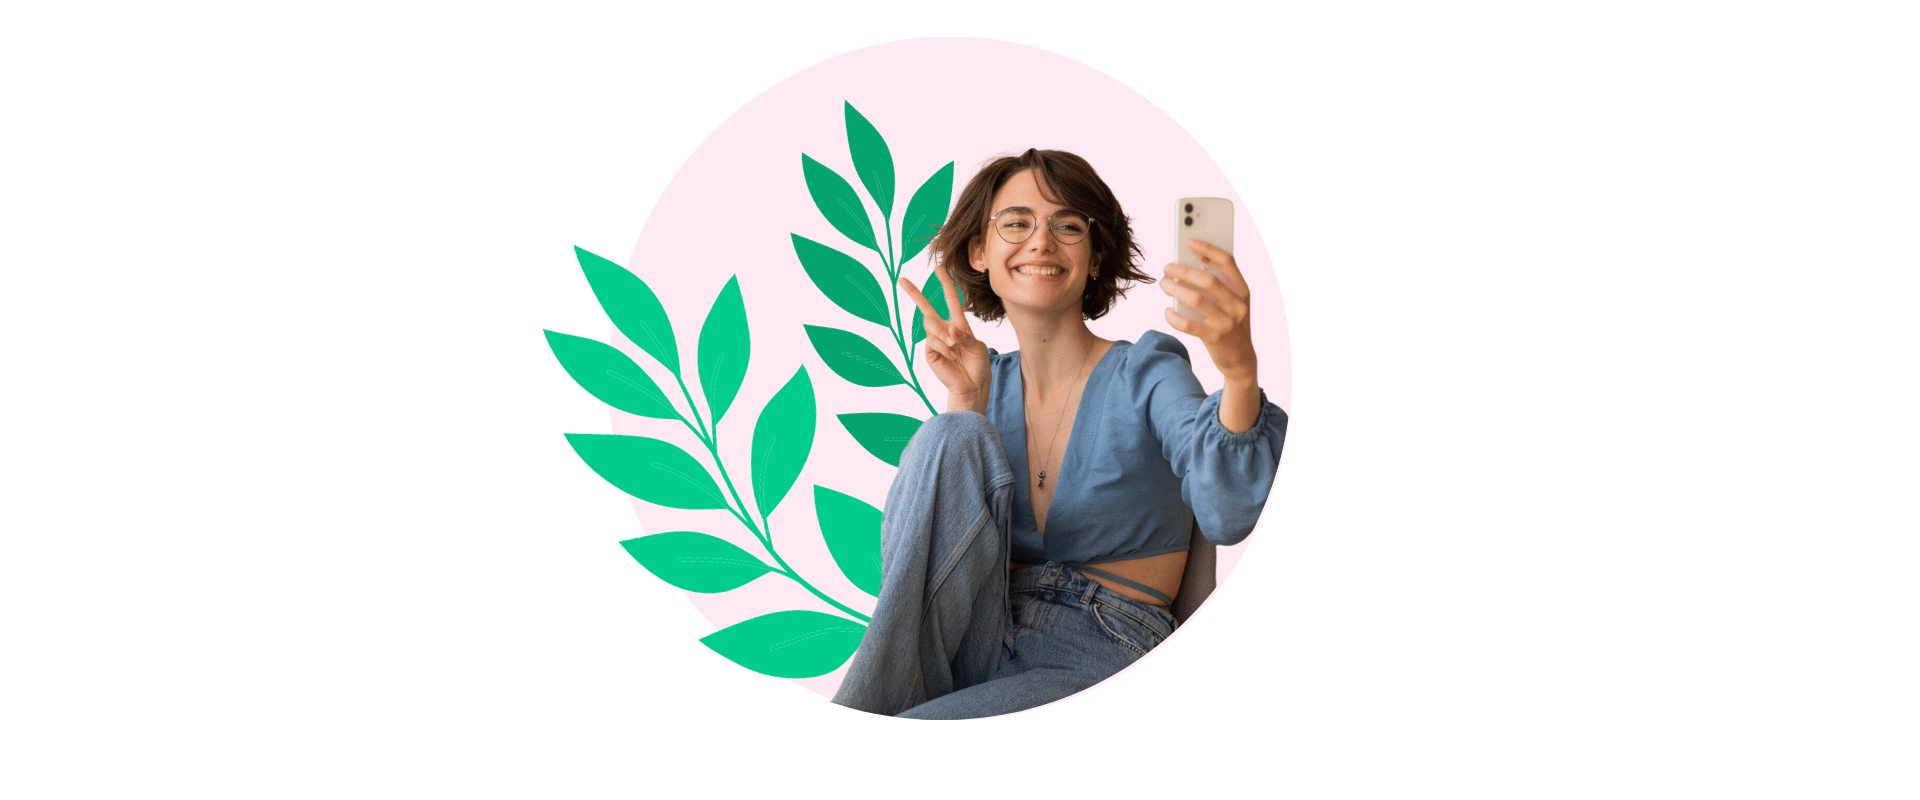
(1189, 222)
(1189, 209)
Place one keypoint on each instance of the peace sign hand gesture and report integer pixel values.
(958, 360)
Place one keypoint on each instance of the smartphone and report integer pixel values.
(1209, 219)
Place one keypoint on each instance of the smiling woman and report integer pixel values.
(1070, 452)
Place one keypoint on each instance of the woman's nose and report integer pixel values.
(1042, 239)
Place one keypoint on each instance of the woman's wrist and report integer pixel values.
(970, 401)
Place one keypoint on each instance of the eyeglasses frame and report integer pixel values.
(1050, 229)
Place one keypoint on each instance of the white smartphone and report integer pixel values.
(1209, 219)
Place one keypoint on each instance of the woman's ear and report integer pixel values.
(974, 250)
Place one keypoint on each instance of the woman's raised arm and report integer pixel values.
(1223, 304)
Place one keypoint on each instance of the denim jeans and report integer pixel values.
(955, 635)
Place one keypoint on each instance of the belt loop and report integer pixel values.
(1093, 587)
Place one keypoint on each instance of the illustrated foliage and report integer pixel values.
(853, 287)
(791, 643)
(788, 644)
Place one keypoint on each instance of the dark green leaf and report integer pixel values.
(871, 160)
(936, 297)
(843, 280)
(782, 440)
(852, 530)
(610, 375)
(724, 350)
(649, 469)
(789, 644)
(926, 212)
(633, 308)
(696, 562)
(883, 435)
(837, 202)
(853, 357)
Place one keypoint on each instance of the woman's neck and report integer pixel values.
(1053, 353)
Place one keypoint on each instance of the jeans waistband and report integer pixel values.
(1051, 574)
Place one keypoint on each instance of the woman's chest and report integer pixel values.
(1050, 433)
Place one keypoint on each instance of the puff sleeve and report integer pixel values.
(1225, 476)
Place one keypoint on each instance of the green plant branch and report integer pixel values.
(795, 575)
(745, 515)
(694, 409)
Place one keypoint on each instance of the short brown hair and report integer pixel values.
(1115, 254)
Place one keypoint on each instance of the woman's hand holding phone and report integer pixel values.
(1222, 303)
(958, 360)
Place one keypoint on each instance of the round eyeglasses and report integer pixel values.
(1016, 224)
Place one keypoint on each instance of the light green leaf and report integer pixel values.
(649, 469)
(724, 350)
(633, 307)
(926, 212)
(782, 440)
(789, 644)
(611, 376)
(843, 280)
(871, 160)
(837, 202)
(936, 297)
(696, 562)
(852, 530)
(853, 358)
(883, 435)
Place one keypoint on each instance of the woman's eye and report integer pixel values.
(1070, 228)
(1015, 223)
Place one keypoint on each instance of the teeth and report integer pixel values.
(1039, 270)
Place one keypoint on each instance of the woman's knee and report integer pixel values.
(953, 430)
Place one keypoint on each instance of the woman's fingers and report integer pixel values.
(947, 285)
(932, 322)
(1229, 269)
(1192, 297)
(937, 349)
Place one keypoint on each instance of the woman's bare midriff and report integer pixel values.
(1161, 572)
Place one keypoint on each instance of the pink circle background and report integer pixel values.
(730, 209)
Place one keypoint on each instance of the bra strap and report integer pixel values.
(1105, 574)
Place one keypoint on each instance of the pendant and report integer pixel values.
(1043, 479)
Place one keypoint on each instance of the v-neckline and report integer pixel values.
(1026, 461)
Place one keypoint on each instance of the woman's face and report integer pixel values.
(1039, 274)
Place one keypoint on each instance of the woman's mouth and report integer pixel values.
(1039, 271)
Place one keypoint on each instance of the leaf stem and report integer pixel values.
(745, 516)
(795, 575)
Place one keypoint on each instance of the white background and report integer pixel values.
(1600, 481)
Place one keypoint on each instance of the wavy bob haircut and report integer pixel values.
(1115, 254)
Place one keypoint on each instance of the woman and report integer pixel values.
(990, 600)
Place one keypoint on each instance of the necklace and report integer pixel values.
(1048, 458)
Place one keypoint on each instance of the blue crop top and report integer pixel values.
(1146, 458)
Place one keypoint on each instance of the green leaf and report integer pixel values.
(789, 644)
(837, 202)
(633, 307)
(649, 469)
(853, 357)
(926, 212)
(696, 562)
(843, 280)
(871, 160)
(883, 435)
(936, 297)
(611, 376)
(782, 440)
(724, 350)
(852, 530)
